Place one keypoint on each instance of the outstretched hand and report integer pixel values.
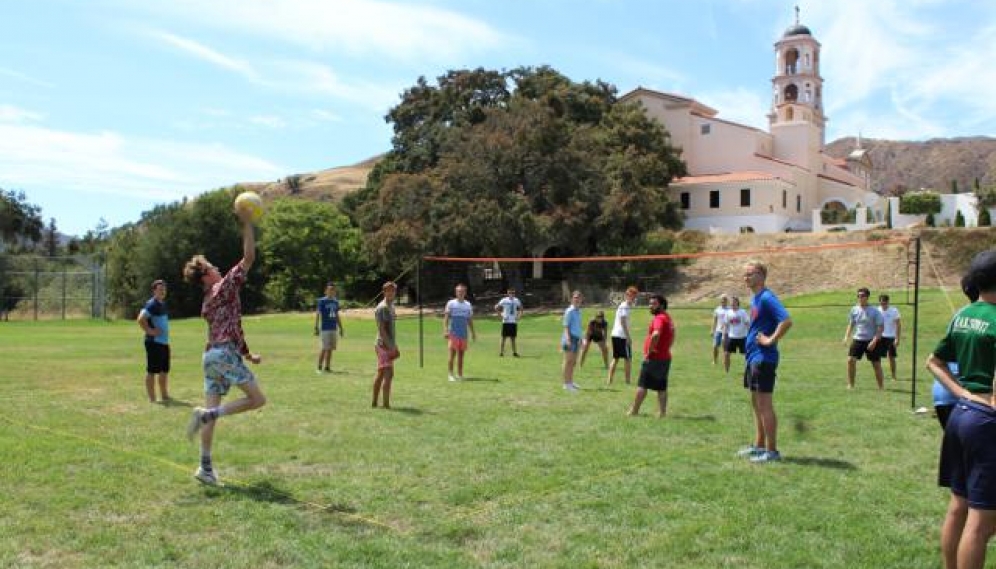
(256, 358)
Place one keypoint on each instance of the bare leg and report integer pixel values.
(570, 359)
(759, 441)
(879, 376)
(852, 365)
(207, 431)
(452, 357)
(605, 354)
(769, 422)
(662, 404)
(612, 371)
(726, 362)
(514, 349)
(979, 527)
(628, 368)
(378, 383)
(388, 376)
(150, 387)
(954, 523)
(460, 364)
(584, 352)
(163, 384)
(892, 367)
(641, 393)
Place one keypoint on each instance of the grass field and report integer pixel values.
(502, 470)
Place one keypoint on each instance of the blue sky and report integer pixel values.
(109, 107)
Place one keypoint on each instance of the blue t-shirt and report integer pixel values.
(766, 313)
(328, 308)
(572, 321)
(155, 312)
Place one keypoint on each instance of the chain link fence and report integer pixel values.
(51, 288)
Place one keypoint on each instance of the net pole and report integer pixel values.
(418, 287)
(916, 316)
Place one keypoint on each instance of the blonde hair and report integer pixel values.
(759, 267)
(195, 269)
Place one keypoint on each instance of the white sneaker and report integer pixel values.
(196, 422)
(205, 477)
(576, 386)
(571, 387)
(453, 377)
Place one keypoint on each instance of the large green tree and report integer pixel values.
(508, 164)
(19, 219)
(306, 244)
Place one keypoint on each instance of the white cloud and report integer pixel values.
(356, 27)
(107, 163)
(326, 116)
(741, 105)
(205, 53)
(10, 113)
(269, 121)
(25, 78)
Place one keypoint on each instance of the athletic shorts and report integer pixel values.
(620, 349)
(887, 347)
(223, 366)
(734, 345)
(385, 357)
(760, 377)
(654, 374)
(457, 344)
(330, 339)
(597, 338)
(156, 357)
(968, 457)
(859, 348)
(570, 344)
(509, 329)
(717, 339)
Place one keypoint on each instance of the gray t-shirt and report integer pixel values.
(865, 322)
(384, 313)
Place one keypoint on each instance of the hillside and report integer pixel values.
(931, 164)
(898, 164)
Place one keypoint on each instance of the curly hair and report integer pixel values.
(195, 268)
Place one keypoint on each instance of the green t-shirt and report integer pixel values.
(971, 341)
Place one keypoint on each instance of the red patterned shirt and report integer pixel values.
(222, 308)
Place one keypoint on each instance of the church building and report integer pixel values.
(744, 179)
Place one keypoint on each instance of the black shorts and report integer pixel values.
(156, 357)
(968, 457)
(760, 377)
(597, 338)
(654, 374)
(620, 349)
(859, 348)
(887, 347)
(509, 329)
(734, 345)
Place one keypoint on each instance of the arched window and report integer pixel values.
(791, 61)
(791, 93)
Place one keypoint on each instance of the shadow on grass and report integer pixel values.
(408, 410)
(711, 418)
(820, 462)
(491, 379)
(262, 491)
(175, 403)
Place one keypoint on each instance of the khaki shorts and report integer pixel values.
(330, 339)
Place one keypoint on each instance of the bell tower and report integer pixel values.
(797, 92)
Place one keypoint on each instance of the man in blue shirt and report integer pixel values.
(154, 321)
(327, 316)
(570, 340)
(769, 322)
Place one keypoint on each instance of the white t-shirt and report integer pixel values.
(622, 314)
(890, 316)
(737, 323)
(460, 312)
(718, 313)
(510, 308)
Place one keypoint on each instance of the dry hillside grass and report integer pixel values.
(331, 184)
(945, 253)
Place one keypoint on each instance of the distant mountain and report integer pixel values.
(932, 164)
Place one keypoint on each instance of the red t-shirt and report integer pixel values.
(661, 323)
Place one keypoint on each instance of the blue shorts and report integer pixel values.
(760, 377)
(223, 366)
(570, 344)
(717, 339)
(968, 457)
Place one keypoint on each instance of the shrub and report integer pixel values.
(915, 203)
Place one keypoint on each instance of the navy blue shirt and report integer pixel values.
(328, 308)
(155, 312)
